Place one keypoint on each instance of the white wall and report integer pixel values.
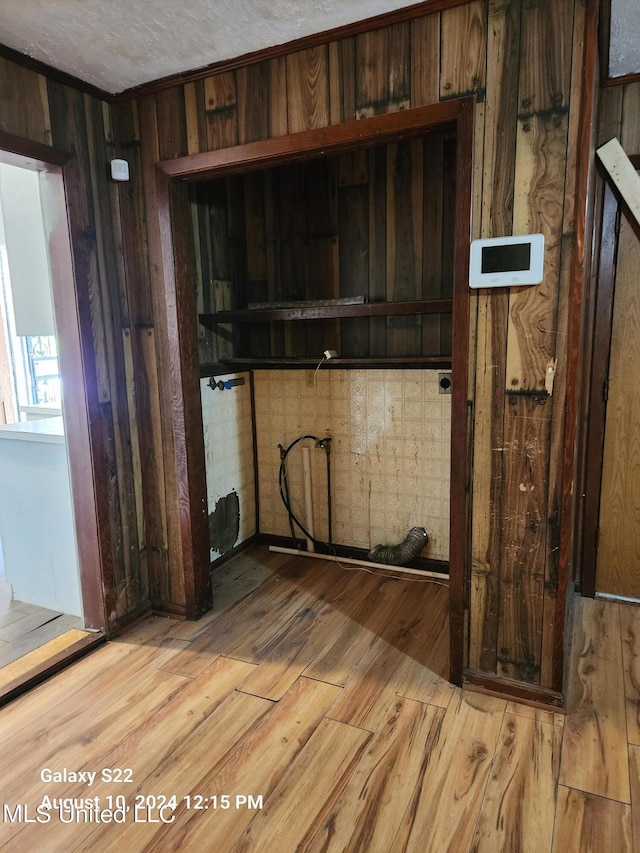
(228, 442)
(26, 251)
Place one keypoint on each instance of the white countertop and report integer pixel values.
(47, 430)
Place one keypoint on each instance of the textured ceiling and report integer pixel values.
(118, 44)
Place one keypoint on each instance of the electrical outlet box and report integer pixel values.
(445, 383)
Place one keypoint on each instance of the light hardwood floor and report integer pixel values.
(319, 693)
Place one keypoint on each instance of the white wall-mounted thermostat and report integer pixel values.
(507, 261)
(119, 170)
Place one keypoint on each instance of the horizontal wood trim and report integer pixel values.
(369, 309)
(53, 73)
(386, 19)
(313, 143)
(530, 694)
(43, 156)
(621, 81)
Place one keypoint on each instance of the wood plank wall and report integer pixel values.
(619, 116)
(521, 59)
(48, 112)
(376, 223)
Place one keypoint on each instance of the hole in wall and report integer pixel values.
(224, 523)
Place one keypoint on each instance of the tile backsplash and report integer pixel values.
(390, 453)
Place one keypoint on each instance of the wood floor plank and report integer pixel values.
(152, 740)
(518, 808)
(368, 812)
(294, 812)
(289, 652)
(20, 773)
(630, 629)
(424, 677)
(589, 824)
(369, 620)
(69, 724)
(391, 662)
(233, 582)
(227, 635)
(202, 749)
(552, 718)
(594, 751)
(314, 590)
(445, 807)
(441, 770)
(255, 767)
(90, 681)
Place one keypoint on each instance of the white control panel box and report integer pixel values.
(507, 261)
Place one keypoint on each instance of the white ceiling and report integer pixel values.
(117, 44)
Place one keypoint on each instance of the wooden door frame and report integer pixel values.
(604, 262)
(181, 319)
(70, 289)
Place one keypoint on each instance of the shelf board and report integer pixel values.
(231, 365)
(324, 312)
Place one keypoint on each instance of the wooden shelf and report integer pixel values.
(231, 365)
(325, 312)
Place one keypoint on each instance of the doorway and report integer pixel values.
(37, 534)
(182, 333)
(73, 355)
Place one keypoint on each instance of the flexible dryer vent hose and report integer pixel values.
(398, 555)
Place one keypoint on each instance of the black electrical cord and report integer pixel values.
(282, 483)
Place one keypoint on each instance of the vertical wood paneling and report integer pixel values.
(196, 133)
(308, 89)
(574, 126)
(221, 110)
(115, 316)
(519, 65)
(425, 60)
(278, 122)
(552, 636)
(354, 263)
(25, 103)
(463, 46)
(171, 112)
(377, 246)
(497, 219)
(163, 569)
(383, 75)
(348, 79)
(253, 102)
(539, 179)
(522, 554)
(630, 132)
(619, 539)
(547, 28)
(404, 241)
